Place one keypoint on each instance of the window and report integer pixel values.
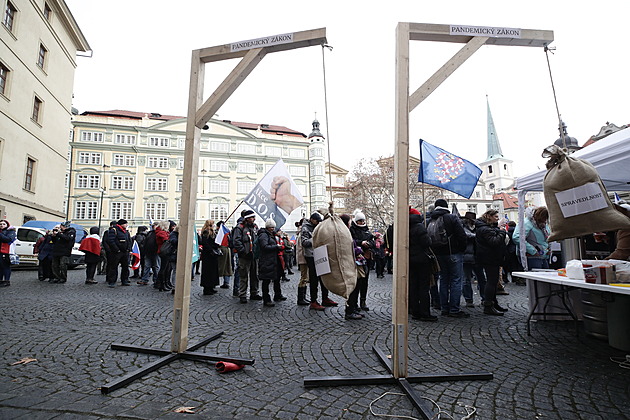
(219, 165)
(4, 79)
(297, 170)
(341, 180)
(244, 187)
(316, 152)
(123, 160)
(9, 16)
(273, 151)
(88, 158)
(317, 170)
(120, 182)
(86, 210)
(477, 194)
(340, 203)
(246, 168)
(125, 139)
(302, 189)
(157, 162)
(496, 207)
(155, 211)
(121, 211)
(92, 136)
(218, 211)
(180, 184)
(490, 169)
(30, 174)
(88, 181)
(506, 169)
(317, 189)
(156, 184)
(219, 186)
(219, 146)
(37, 109)
(159, 142)
(248, 149)
(180, 163)
(296, 153)
(472, 208)
(41, 58)
(47, 12)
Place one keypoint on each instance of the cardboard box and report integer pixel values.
(598, 272)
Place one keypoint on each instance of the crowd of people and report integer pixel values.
(448, 255)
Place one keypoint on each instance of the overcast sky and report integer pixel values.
(141, 62)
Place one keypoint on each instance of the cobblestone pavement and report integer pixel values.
(69, 328)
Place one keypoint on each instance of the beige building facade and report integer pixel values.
(129, 165)
(39, 41)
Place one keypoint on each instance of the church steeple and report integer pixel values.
(494, 148)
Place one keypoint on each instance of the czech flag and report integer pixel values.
(293, 239)
(222, 236)
(135, 256)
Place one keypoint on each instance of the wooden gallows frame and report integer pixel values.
(474, 38)
(251, 53)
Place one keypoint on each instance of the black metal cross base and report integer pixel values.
(167, 357)
(404, 383)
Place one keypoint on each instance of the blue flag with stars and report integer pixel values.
(446, 170)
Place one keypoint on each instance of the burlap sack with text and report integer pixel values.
(576, 198)
(333, 233)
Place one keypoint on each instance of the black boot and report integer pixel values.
(499, 307)
(364, 307)
(488, 309)
(301, 297)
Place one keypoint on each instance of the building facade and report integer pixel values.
(130, 165)
(39, 43)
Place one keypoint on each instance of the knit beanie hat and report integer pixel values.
(359, 216)
(440, 202)
(270, 223)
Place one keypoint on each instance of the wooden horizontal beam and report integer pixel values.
(442, 33)
(300, 39)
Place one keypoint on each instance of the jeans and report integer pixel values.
(151, 264)
(451, 277)
(467, 289)
(537, 263)
(60, 267)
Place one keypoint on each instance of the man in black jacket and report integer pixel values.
(63, 241)
(244, 236)
(119, 242)
(451, 259)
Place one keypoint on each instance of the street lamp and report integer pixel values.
(102, 190)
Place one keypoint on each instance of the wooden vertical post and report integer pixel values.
(400, 302)
(181, 306)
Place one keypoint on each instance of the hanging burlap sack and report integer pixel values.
(576, 198)
(334, 233)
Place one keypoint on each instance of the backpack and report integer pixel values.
(167, 249)
(150, 243)
(437, 232)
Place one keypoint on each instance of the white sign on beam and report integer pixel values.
(261, 42)
(491, 31)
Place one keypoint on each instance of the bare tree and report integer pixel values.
(371, 189)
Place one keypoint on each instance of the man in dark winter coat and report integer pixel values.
(306, 238)
(119, 242)
(268, 263)
(140, 237)
(62, 249)
(450, 257)
(244, 236)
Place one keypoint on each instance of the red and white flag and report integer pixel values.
(222, 236)
(135, 256)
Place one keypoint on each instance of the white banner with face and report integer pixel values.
(583, 199)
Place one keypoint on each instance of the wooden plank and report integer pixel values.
(181, 303)
(441, 33)
(401, 198)
(300, 40)
(445, 71)
(229, 85)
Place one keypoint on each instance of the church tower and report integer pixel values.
(497, 170)
(317, 172)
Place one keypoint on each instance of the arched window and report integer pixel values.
(490, 169)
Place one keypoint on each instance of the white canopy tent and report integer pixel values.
(610, 156)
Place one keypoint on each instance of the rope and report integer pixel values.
(326, 110)
(553, 88)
